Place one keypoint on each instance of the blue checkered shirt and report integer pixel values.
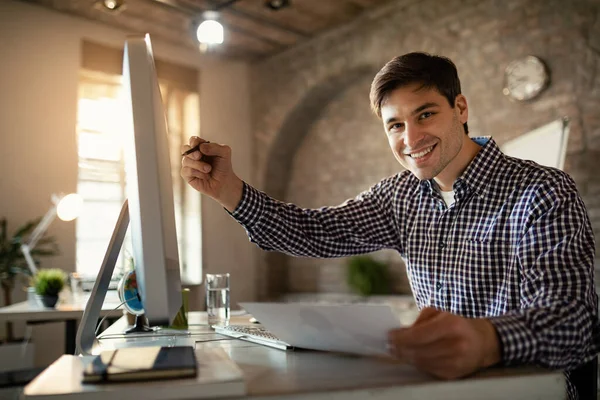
(516, 247)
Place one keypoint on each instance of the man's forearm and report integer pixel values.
(327, 232)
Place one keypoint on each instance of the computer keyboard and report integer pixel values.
(252, 333)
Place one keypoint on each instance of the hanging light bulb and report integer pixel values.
(113, 5)
(210, 31)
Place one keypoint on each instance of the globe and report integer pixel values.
(128, 293)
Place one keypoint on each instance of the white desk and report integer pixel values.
(68, 311)
(275, 374)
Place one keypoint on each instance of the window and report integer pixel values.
(102, 181)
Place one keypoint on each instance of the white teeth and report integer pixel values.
(422, 153)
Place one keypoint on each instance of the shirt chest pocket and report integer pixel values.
(485, 277)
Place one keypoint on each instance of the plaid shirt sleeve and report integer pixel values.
(357, 226)
(556, 324)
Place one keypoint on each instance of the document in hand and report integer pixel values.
(142, 363)
(347, 328)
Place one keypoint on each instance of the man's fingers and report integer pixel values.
(425, 332)
(215, 150)
(200, 174)
(187, 150)
(195, 140)
(444, 347)
(197, 165)
(426, 314)
(190, 173)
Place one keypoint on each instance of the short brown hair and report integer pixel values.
(430, 71)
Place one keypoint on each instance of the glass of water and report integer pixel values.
(217, 299)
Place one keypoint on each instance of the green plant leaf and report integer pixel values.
(49, 282)
(24, 230)
(3, 232)
(367, 276)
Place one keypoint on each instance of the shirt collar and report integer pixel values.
(480, 171)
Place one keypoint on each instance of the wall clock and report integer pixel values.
(525, 78)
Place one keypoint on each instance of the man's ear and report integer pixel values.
(463, 109)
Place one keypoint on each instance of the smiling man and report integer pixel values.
(499, 251)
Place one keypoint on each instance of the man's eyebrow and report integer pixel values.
(389, 120)
(424, 107)
(416, 111)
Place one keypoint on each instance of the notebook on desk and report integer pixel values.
(141, 363)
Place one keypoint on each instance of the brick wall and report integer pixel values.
(317, 144)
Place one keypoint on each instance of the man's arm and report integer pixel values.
(363, 224)
(360, 225)
(557, 324)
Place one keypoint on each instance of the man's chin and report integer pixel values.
(422, 175)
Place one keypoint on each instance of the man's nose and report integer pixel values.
(413, 135)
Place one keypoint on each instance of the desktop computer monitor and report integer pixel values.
(149, 206)
(150, 187)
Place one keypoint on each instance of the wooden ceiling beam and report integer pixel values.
(253, 30)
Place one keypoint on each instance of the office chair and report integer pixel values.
(585, 379)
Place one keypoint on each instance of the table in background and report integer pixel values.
(68, 310)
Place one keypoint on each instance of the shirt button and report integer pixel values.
(442, 245)
(438, 286)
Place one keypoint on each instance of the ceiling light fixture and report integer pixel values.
(113, 5)
(210, 31)
(277, 5)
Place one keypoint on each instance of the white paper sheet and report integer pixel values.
(348, 328)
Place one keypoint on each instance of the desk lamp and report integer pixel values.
(67, 208)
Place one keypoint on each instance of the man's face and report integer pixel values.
(424, 132)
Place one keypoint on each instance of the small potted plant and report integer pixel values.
(367, 276)
(48, 283)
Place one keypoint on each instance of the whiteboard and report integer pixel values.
(546, 145)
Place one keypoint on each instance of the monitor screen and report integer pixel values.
(150, 187)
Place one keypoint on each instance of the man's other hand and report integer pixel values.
(446, 345)
(209, 171)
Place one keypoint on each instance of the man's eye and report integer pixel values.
(426, 115)
(396, 126)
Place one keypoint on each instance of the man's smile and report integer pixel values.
(422, 153)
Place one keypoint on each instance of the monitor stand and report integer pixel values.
(86, 333)
(140, 326)
(86, 340)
